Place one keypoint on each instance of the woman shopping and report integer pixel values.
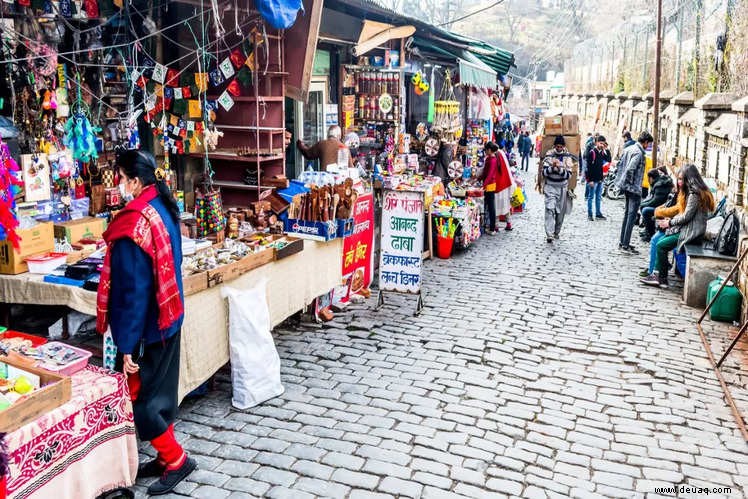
(504, 189)
(489, 176)
(141, 300)
(695, 203)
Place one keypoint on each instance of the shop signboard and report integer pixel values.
(358, 248)
(402, 242)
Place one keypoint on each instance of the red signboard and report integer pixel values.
(358, 248)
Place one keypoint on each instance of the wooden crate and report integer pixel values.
(57, 391)
(236, 269)
(194, 283)
(295, 245)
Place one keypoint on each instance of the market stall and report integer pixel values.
(82, 448)
(291, 285)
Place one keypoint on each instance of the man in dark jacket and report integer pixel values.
(525, 148)
(662, 186)
(629, 176)
(596, 158)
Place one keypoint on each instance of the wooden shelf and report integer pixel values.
(250, 128)
(231, 184)
(230, 156)
(242, 98)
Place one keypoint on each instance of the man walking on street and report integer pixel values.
(525, 148)
(589, 144)
(556, 174)
(596, 159)
(629, 176)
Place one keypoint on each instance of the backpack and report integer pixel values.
(727, 239)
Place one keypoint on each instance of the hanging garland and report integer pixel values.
(10, 186)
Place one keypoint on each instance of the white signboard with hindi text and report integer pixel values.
(402, 242)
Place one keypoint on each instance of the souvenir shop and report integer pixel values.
(81, 81)
(415, 108)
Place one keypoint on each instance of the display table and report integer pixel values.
(292, 284)
(81, 449)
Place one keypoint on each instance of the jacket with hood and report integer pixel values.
(659, 192)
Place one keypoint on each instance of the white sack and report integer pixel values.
(255, 364)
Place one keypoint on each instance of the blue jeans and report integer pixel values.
(596, 192)
(653, 250)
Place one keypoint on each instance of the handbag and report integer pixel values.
(209, 212)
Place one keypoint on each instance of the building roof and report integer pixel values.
(499, 60)
(724, 126)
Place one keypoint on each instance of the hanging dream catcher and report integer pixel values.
(447, 110)
(80, 135)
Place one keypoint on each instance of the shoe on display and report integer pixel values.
(171, 478)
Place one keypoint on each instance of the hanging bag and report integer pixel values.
(209, 212)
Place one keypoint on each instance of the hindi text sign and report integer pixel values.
(402, 242)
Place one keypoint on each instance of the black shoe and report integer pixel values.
(151, 469)
(601, 217)
(589, 217)
(170, 479)
(549, 239)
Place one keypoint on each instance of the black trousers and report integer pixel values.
(156, 406)
(489, 202)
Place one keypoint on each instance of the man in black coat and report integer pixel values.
(596, 158)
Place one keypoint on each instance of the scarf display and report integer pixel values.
(141, 223)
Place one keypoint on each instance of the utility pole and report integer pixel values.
(680, 47)
(658, 69)
(697, 49)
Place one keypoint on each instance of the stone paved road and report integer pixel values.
(534, 371)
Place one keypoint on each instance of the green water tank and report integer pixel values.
(727, 306)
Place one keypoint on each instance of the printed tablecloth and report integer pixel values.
(81, 449)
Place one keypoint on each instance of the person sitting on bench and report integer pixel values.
(662, 187)
(695, 202)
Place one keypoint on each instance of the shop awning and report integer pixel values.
(472, 71)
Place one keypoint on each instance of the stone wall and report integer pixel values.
(711, 132)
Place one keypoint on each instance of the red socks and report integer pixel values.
(169, 450)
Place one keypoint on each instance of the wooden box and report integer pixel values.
(295, 245)
(57, 391)
(236, 269)
(194, 283)
(34, 241)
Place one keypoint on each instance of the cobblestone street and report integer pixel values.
(535, 370)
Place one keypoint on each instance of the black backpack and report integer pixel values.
(727, 239)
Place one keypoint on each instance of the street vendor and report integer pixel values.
(141, 301)
(555, 183)
(326, 151)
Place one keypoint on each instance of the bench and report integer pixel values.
(703, 265)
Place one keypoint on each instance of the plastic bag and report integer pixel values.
(518, 198)
(255, 364)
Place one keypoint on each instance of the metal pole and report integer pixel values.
(658, 70)
(680, 49)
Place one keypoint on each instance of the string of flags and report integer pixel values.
(172, 100)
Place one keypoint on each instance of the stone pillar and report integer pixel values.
(737, 187)
(681, 103)
(648, 121)
(711, 106)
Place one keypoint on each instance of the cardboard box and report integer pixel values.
(56, 390)
(570, 124)
(36, 240)
(84, 228)
(554, 125)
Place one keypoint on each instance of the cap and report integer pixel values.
(559, 141)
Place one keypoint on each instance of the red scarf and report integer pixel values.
(141, 222)
(504, 178)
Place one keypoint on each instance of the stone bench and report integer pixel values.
(703, 265)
